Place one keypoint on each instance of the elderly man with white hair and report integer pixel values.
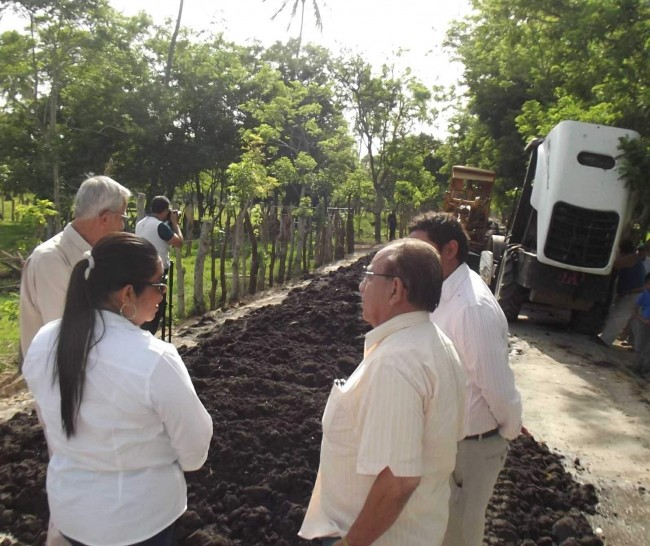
(99, 209)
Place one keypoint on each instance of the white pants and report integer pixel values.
(478, 464)
(619, 313)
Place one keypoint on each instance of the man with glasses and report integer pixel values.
(470, 315)
(161, 229)
(390, 431)
(99, 209)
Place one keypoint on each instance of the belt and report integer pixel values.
(483, 435)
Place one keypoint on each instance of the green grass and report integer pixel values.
(12, 237)
(9, 334)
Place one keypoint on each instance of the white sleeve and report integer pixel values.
(186, 421)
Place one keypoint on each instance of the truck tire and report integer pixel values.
(508, 293)
(590, 322)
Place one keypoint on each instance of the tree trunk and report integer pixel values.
(53, 145)
(213, 271)
(274, 231)
(188, 228)
(180, 285)
(255, 263)
(292, 246)
(140, 205)
(172, 45)
(222, 264)
(236, 251)
(379, 206)
(349, 231)
(201, 253)
(284, 234)
(263, 252)
(339, 236)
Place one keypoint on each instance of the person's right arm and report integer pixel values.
(385, 501)
(186, 421)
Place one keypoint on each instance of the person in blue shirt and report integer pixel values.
(641, 329)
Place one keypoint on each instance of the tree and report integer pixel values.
(528, 65)
(294, 10)
(385, 108)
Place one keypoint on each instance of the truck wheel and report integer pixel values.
(508, 293)
(590, 322)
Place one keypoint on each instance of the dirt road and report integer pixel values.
(582, 401)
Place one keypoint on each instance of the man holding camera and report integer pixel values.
(161, 229)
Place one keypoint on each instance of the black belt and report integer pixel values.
(483, 435)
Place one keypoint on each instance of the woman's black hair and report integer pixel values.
(119, 259)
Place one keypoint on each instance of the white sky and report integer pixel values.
(374, 28)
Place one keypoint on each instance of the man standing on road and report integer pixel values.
(99, 209)
(390, 431)
(629, 284)
(470, 315)
(392, 225)
(161, 229)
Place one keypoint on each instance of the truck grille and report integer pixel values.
(581, 237)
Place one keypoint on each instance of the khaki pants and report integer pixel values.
(478, 464)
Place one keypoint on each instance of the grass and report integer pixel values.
(12, 237)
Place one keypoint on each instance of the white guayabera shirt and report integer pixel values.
(401, 408)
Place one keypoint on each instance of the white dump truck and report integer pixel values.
(562, 239)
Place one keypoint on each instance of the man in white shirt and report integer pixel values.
(99, 209)
(470, 315)
(161, 229)
(390, 431)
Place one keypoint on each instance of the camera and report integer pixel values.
(175, 213)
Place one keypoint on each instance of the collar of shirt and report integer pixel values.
(381, 332)
(79, 244)
(451, 283)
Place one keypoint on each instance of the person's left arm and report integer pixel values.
(487, 356)
(185, 419)
(386, 500)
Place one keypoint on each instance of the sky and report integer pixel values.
(374, 28)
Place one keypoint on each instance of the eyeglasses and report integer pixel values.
(368, 274)
(161, 286)
(374, 274)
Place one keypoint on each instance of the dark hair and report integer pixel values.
(442, 227)
(159, 204)
(119, 259)
(417, 264)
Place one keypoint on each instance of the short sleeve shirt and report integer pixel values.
(402, 408)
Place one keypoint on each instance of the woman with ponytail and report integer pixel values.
(121, 416)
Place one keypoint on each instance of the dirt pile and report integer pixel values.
(264, 379)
